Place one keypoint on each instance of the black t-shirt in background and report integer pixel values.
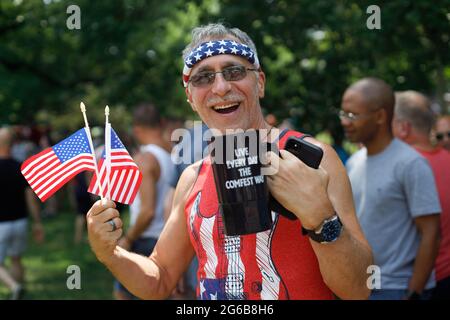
(12, 191)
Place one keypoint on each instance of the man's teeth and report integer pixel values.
(225, 106)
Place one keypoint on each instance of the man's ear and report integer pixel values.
(261, 84)
(407, 128)
(189, 98)
(381, 116)
(399, 128)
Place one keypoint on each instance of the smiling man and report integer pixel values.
(224, 83)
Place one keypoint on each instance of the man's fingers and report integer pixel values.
(270, 165)
(118, 222)
(269, 158)
(100, 206)
(107, 226)
(286, 155)
(117, 234)
(272, 155)
(324, 174)
(106, 215)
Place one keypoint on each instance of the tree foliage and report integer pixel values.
(128, 51)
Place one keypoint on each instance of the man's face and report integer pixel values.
(359, 121)
(227, 104)
(400, 128)
(442, 132)
(138, 132)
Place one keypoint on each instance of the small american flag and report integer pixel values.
(49, 170)
(124, 175)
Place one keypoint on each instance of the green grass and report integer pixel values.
(46, 265)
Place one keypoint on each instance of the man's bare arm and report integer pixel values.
(35, 211)
(344, 263)
(428, 227)
(153, 277)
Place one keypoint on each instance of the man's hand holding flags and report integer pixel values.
(52, 168)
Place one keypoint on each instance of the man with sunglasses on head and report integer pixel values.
(443, 131)
(224, 82)
(395, 194)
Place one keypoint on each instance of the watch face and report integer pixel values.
(331, 230)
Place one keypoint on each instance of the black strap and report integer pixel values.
(281, 135)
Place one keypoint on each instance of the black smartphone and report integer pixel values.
(307, 152)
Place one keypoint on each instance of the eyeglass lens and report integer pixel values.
(233, 73)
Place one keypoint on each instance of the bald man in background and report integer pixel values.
(395, 194)
(413, 121)
(15, 195)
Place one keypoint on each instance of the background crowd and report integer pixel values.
(380, 97)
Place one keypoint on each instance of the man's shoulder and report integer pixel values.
(146, 161)
(404, 150)
(410, 165)
(357, 157)
(186, 183)
(189, 175)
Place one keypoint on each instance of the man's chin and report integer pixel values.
(352, 138)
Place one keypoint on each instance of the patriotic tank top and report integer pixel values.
(275, 264)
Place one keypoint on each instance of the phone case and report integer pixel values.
(309, 154)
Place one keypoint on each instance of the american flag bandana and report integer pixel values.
(214, 48)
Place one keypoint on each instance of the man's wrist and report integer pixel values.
(111, 258)
(314, 221)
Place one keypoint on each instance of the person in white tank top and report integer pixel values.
(147, 210)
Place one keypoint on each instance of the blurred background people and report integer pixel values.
(17, 199)
(81, 200)
(413, 121)
(394, 192)
(22, 146)
(271, 119)
(443, 131)
(190, 149)
(147, 211)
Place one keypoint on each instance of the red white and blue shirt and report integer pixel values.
(275, 264)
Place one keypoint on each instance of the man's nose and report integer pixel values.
(345, 122)
(220, 86)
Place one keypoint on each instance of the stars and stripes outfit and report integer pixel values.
(275, 264)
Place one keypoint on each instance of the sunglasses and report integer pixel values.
(440, 136)
(232, 73)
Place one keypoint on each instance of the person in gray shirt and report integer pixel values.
(395, 194)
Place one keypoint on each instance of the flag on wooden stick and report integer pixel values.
(52, 168)
(120, 177)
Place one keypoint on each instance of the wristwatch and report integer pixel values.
(329, 230)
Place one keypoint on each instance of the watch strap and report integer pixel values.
(318, 234)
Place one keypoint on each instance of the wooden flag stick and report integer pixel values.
(108, 151)
(88, 133)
